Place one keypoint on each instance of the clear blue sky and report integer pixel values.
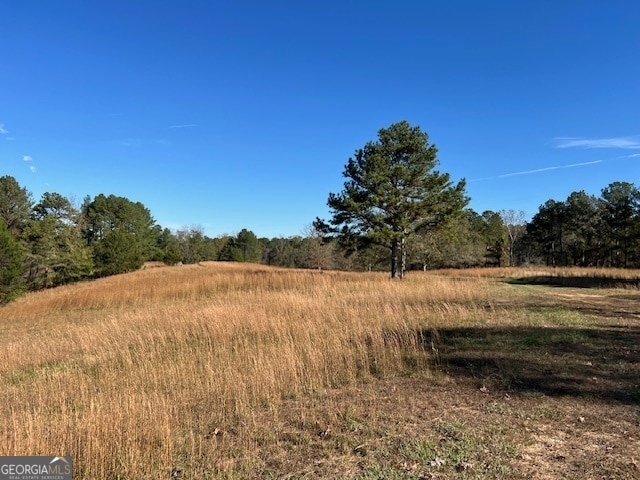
(242, 114)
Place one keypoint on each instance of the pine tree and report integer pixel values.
(391, 192)
(10, 265)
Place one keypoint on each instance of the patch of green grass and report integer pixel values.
(450, 429)
(24, 375)
(569, 338)
(385, 473)
(557, 315)
(499, 408)
(422, 449)
(533, 340)
(545, 411)
(31, 372)
(453, 449)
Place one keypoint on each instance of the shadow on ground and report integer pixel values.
(576, 282)
(602, 362)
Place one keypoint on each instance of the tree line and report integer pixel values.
(55, 241)
(585, 230)
(396, 213)
(394, 198)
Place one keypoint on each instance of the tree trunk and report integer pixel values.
(403, 257)
(394, 259)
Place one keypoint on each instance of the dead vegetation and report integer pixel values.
(237, 371)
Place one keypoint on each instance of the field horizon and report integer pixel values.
(228, 370)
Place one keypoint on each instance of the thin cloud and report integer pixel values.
(632, 142)
(3, 131)
(187, 125)
(32, 168)
(546, 169)
(27, 158)
(538, 170)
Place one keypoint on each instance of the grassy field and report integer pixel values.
(243, 371)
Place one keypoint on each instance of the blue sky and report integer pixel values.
(242, 114)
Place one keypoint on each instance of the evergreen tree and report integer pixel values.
(11, 283)
(583, 228)
(547, 229)
(621, 215)
(56, 251)
(117, 222)
(391, 192)
(117, 252)
(245, 247)
(15, 205)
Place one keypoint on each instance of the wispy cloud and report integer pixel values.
(140, 142)
(3, 131)
(187, 125)
(538, 170)
(631, 142)
(29, 158)
(546, 169)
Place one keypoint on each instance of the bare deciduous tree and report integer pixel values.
(516, 224)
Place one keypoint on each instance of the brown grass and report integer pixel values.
(179, 371)
(129, 373)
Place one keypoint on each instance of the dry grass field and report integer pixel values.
(243, 371)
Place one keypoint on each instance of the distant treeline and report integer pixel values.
(55, 242)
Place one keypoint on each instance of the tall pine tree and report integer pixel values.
(391, 192)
